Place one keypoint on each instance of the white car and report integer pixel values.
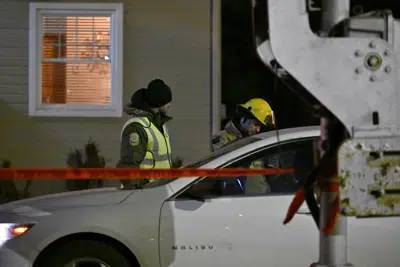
(189, 222)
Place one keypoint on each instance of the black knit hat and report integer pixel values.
(158, 93)
(137, 99)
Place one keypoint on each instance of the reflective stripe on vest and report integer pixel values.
(158, 154)
(257, 164)
(227, 137)
(230, 137)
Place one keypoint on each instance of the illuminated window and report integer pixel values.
(75, 60)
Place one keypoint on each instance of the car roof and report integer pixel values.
(272, 136)
(288, 131)
(254, 142)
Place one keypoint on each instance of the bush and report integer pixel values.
(88, 158)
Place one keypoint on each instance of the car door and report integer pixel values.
(218, 222)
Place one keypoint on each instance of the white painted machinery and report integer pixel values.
(348, 69)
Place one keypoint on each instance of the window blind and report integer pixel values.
(76, 64)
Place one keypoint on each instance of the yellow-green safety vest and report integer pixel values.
(257, 164)
(158, 154)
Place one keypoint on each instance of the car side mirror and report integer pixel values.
(198, 191)
(193, 195)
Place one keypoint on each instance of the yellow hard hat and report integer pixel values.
(261, 110)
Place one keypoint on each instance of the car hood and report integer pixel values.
(83, 198)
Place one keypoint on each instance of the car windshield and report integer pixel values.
(224, 150)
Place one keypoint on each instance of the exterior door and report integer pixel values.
(221, 222)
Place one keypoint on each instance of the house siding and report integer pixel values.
(162, 39)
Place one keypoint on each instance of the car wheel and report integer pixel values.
(85, 253)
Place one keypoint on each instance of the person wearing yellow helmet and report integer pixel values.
(261, 111)
(248, 120)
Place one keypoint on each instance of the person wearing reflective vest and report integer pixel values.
(145, 141)
(247, 121)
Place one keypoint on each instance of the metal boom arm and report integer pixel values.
(332, 69)
(354, 77)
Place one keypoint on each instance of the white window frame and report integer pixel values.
(36, 108)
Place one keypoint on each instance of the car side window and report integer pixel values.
(293, 154)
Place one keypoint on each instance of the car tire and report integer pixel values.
(85, 251)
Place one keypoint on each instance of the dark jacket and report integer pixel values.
(132, 156)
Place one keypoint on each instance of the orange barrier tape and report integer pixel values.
(330, 186)
(294, 205)
(332, 218)
(298, 199)
(117, 173)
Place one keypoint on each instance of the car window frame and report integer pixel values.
(253, 153)
(238, 143)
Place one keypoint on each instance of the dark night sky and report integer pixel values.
(245, 77)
